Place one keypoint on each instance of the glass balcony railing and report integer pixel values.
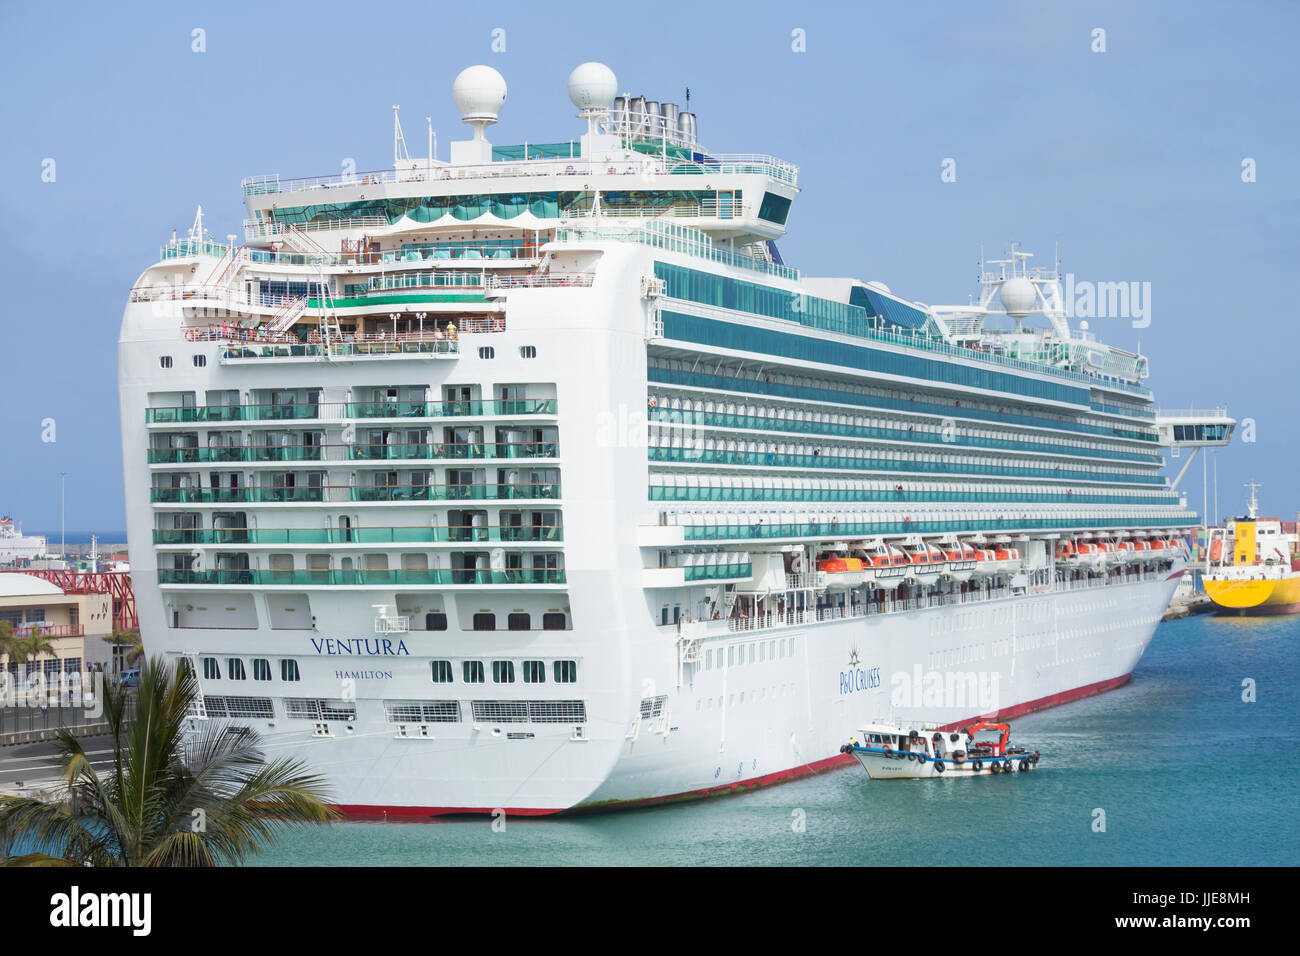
(412, 535)
(705, 456)
(524, 490)
(362, 578)
(704, 572)
(403, 452)
(811, 427)
(529, 406)
(312, 410)
(869, 495)
(181, 456)
(200, 413)
(274, 495)
(859, 399)
(234, 495)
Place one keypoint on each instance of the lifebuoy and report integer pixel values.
(938, 766)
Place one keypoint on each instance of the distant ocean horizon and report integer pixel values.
(72, 536)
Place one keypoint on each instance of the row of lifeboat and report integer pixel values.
(889, 566)
(1096, 555)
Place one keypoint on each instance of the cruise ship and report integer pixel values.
(534, 479)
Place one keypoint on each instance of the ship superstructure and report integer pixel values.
(535, 479)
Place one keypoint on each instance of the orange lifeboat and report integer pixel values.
(1216, 549)
(840, 572)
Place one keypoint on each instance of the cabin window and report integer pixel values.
(553, 621)
(566, 672)
(235, 669)
(528, 351)
(165, 361)
(472, 672)
(261, 669)
(441, 672)
(200, 361)
(503, 672)
(289, 671)
(211, 669)
(487, 352)
(485, 621)
(519, 621)
(435, 621)
(534, 672)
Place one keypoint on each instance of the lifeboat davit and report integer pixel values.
(1007, 560)
(960, 562)
(1110, 553)
(1127, 553)
(986, 563)
(888, 568)
(1090, 556)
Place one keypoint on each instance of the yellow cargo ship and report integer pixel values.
(1251, 566)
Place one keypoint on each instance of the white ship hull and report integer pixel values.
(724, 729)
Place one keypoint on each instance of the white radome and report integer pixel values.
(1018, 296)
(592, 86)
(479, 92)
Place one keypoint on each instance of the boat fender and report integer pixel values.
(912, 735)
(959, 756)
(977, 764)
(1007, 767)
(1034, 756)
(995, 767)
(953, 737)
(1024, 764)
(844, 748)
(938, 766)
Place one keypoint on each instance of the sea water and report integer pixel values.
(1193, 762)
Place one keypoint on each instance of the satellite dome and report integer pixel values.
(592, 86)
(1018, 297)
(479, 92)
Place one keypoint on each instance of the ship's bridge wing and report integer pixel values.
(1193, 428)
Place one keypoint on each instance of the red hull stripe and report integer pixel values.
(781, 776)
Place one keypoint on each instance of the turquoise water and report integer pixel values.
(1186, 772)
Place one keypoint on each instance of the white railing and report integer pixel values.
(696, 210)
(275, 229)
(765, 620)
(642, 164)
(1217, 412)
(385, 624)
(568, 280)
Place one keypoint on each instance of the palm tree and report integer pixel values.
(36, 644)
(9, 639)
(131, 641)
(170, 798)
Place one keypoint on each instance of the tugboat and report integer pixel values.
(892, 751)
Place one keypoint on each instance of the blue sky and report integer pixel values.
(1131, 159)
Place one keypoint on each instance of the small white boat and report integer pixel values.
(889, 750)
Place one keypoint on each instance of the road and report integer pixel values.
(37, 764)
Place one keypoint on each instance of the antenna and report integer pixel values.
(433, 142)
(1254, 498)
(399, 141)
